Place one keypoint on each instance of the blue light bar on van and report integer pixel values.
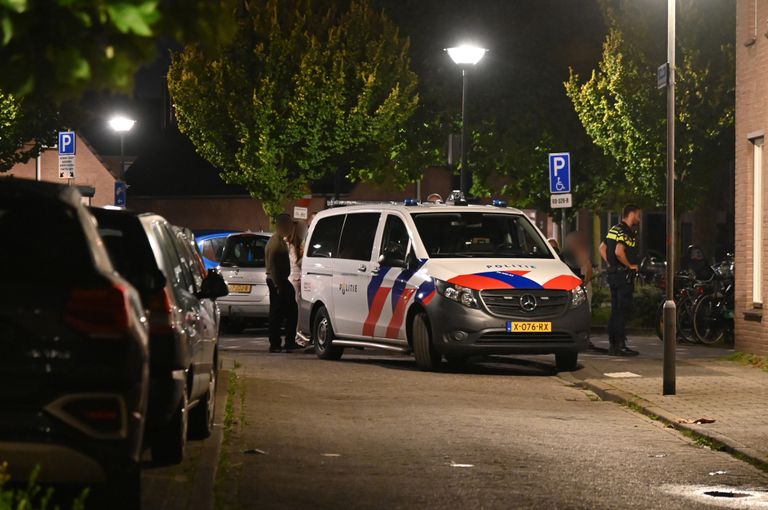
(411, 201)
(497, 202)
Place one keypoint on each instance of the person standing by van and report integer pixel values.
(619, 251)
(283, 309)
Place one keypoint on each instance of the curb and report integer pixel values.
(720, 442)
(202, 493)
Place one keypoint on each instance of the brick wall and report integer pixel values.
(751, 110)
(89, 171)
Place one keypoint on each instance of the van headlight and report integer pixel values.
(578, 296)
(463, 295)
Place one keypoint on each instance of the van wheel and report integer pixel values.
(201, 416)
(427, 357)
(566, 361)
(169, 444)
(324, 336)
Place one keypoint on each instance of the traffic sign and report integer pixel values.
(66, 166)
(560, 172)
(300, 213)
(662, 76)
(67, 143)
(561, 201)
(120, 188)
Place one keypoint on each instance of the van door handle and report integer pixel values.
(375, 271)
(362, 268)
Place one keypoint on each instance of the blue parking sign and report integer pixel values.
(120, 189)
(67, 143)
(560, 172)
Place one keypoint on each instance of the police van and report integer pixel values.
(439, 281)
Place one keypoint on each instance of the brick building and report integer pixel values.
(92, 174)
(750, 191)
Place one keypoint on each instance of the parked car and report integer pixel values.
(440, 281)
(243, 268)
(211, 244)
(183, 320)
(74, 372)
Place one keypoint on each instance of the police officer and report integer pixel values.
(619, 251)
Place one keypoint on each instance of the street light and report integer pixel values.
(670, 313)
(465, 56)
(121, 125)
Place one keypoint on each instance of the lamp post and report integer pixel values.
(670, 314)
(465, 56)
(121, 125)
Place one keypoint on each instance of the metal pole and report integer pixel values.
(121, 173)
(670, 313)
(465, 177)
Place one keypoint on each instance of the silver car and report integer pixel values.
(243, 267)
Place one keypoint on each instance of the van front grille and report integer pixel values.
(507, 302)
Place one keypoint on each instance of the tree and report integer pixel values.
(57, 49)
(304, 90)
(624, 114)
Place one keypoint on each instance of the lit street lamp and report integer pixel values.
(121, 125)
(465, 56)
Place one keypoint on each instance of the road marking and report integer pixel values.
(621, 375)
(453, 464)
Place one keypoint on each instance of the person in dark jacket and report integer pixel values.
(283, 309)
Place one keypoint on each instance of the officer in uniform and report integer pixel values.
(619, 251)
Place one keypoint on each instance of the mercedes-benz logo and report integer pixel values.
(528, 302)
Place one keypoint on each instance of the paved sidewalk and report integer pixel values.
(708, 386)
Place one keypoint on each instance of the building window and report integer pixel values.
(757, 221)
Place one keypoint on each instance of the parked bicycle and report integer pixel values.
(688, 290)
(713, 312)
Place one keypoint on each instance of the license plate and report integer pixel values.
(529, 327)
(239, 288)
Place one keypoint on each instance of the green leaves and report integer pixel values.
(131, 17)
(625, 115)
(302, 92)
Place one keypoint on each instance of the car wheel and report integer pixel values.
(202, 415)
(324, 336)
(170, 443)
(427, 357)
(566, 361)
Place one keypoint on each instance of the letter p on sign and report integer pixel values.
(67, 143)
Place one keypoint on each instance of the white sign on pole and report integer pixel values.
(66, 166)
(300, 213)
(561, 201)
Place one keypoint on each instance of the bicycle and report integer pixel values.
(687, 292)
(713, 313)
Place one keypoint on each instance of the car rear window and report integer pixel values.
(244, 251)
(128, 247)
(42, 243)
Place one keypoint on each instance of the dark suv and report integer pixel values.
(73, 370)
(158, 259)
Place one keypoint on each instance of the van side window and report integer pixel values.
(325, 238)
(396, 239)
(357, 238)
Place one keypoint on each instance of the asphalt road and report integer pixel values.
(371, 431)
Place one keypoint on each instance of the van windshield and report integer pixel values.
(480, 234)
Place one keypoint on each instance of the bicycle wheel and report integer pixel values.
(685, 324)
(708, 320)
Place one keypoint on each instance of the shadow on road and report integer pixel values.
(491, 365)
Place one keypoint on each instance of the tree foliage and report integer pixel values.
(624, 113)
(54, 50)
(303, 90)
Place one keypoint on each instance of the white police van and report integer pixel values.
(439, 281)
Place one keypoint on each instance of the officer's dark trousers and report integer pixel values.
(622, 289)
(283, 310)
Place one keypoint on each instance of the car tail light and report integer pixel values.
(100, 311)
(160, 308)
(97, 414)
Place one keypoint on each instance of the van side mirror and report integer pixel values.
(213, 286)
